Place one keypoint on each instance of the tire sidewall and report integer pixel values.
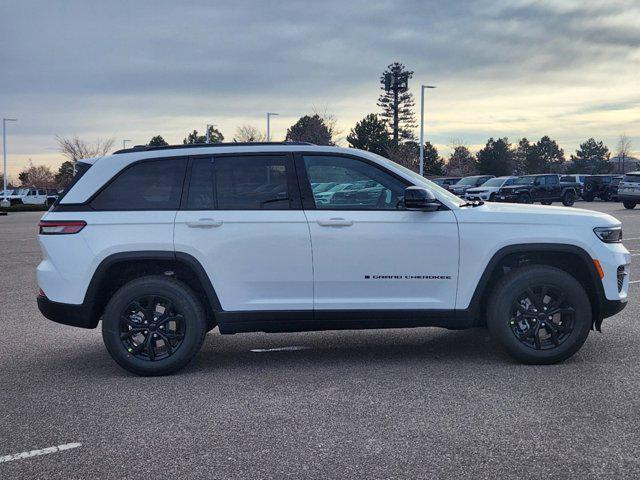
(568, 199)
(515, 283)
(184, 301)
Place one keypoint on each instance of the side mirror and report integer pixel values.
(418, 198)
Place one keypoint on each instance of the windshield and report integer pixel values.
(420, 181)
(494, 182)
(524, 181)
(468, 181)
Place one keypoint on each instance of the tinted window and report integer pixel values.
(239, 183)
(567, 178)
(359, 185)
(510, 181)
(148, 185)
(632, 178)
(552, 180)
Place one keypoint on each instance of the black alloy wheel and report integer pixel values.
(568, 199)
(542, 318)
(152, 328)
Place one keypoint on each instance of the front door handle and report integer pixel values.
(204, 223)
(335, 222)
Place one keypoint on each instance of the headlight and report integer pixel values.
(609, 234)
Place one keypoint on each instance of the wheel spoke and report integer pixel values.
(534, 299)
(151, 347)
(536, 338)
(130, 333)
(174, 335)
(151, 307)
(553, 332)
(169, 318)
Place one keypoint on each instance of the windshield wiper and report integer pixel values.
(475, 203)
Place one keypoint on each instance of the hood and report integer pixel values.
(522, 214)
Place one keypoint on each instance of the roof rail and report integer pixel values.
(147, 148)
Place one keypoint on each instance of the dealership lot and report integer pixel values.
(416, 403)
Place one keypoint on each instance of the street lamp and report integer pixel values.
(4, 153)
(422, 126)
(269, 115)
(124, 143)
(208, 133)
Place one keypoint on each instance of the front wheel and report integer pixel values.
(153, 325)
(492, 197)
(524, 198)
(539, 314)
(629, 205)
(568, 199)
(546, 202)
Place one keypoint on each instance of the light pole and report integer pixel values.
(4, 153)
(269, 115)
(422, 127)
(124, 143)
(208, 134)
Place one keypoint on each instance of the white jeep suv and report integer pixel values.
(165, 243)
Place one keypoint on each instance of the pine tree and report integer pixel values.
(370, 134)
(310, 128)
(157, 141)
(545, 157)
(521, 156)
(433, 162)
(215, 136)
(496, 158)
(397, 103)
(592, 157)
(461, 162)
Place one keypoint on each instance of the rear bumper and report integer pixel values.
(631, 197)
(66, 313)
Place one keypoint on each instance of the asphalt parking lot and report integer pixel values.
(416, 403)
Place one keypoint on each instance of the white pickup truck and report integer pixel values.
(31, 196)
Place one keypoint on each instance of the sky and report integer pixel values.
(134, 69)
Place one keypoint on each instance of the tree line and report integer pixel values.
(390, 133)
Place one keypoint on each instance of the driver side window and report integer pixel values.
(343, 183)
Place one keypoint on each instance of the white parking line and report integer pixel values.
(634, 281)
(40, 451)
(279, 349)
(632, 238)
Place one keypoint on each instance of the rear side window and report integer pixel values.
(148, 185)
(552, 180)
(252, 182)
(632, 178)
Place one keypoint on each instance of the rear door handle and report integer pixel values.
(204, 223)
(335, 222)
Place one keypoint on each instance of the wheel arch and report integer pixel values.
(119, 268)
(570, 258)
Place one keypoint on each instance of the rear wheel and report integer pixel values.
(588, 197)
(605, 196)
(539, 314)
(153, 325)
(628, 204)
(568, 199)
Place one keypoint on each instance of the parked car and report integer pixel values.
(446, 182)
(545, 189)
(574, 178)
(599, 186)
(28, 196)
(162, 244)
(466, 183)
(629, 190)
(489, 189)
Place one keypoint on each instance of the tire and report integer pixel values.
(605, 197)
(587, 197)
(136, 353)
(524, 198)
(629, 205)
(568, 199)
(546, 202)
(562, 286)
(492, 197)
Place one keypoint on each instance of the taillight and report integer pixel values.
(54, 227)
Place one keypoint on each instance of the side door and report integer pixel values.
(369, 253)
(538, 189)
(553, 187)
(242, 219)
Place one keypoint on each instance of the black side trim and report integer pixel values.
(65, 313)
(529, 248)
(307, 320)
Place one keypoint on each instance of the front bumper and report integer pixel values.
(66, 313)
(506, 197)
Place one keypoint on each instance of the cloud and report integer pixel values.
(135, 69)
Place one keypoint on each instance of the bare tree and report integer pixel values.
(623, 151)
(249, 133)
(76, 149)
(461, 161)
(37, 176)
(331, 123)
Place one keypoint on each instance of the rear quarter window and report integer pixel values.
(147, 185)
